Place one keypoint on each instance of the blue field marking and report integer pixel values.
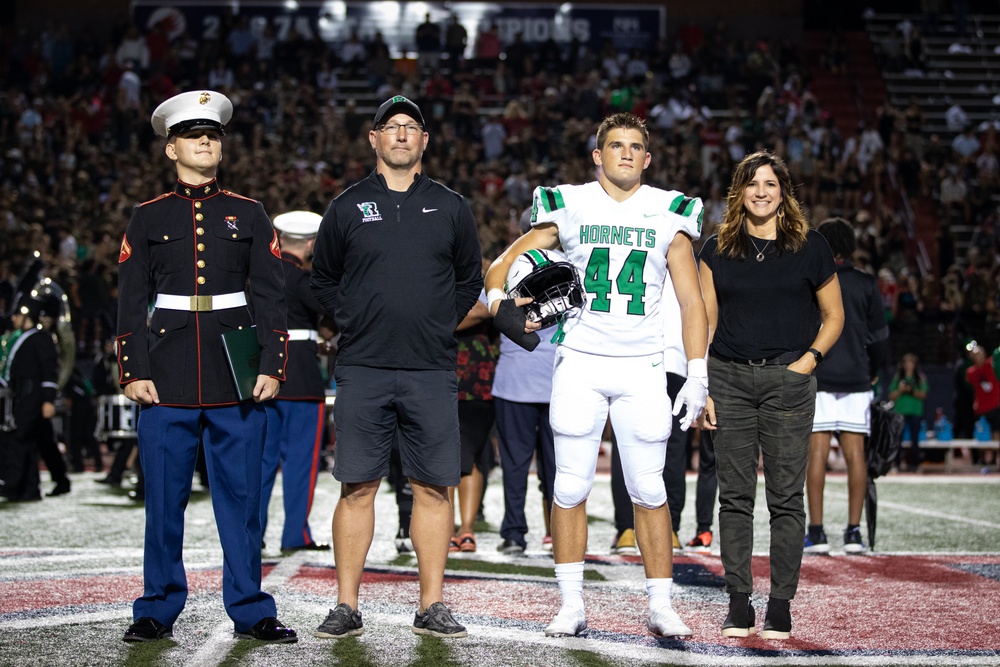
(988, 570)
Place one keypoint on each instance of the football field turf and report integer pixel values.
(928, 595)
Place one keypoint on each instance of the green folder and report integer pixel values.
(243, 354)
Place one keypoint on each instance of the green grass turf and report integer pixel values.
(95, 531)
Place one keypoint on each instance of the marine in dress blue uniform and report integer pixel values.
(295, 420)
(199, 251)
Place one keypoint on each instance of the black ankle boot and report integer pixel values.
(740, 619)
(778, 621)
(62, 488)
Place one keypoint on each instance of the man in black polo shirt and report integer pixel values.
(397, 262)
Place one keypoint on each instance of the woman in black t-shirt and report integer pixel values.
(774, 308)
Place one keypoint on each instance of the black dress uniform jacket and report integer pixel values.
(398, 277)
(198, 240)
(305, 382)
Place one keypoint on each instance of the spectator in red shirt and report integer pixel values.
(985, 387)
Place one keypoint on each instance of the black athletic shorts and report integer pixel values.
(374, 405)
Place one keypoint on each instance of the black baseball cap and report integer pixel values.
(395, 105)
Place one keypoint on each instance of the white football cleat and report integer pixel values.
(567, 623)
(665, 622)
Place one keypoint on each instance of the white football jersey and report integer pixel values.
(620, 249)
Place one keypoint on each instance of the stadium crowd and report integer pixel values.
(77, 151)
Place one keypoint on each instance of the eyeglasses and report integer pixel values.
(392, 128)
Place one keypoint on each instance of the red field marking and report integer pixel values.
(476, 596)
(51, 593)
(881, 602)
(868, 604)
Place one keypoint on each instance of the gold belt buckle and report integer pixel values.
(201, 303)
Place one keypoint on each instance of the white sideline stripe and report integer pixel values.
(647, 653)
(922, 512)
(74, 619)
(213, 651)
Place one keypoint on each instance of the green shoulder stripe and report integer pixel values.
(682, 206)
(551, 199)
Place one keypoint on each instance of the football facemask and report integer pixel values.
(550, 281)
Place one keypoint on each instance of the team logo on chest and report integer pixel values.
(369, 211)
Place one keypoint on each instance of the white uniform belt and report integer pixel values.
(200, 303)
(303, 334)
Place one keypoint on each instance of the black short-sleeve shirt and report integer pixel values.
(769, 307)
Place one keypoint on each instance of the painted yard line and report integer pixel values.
(656, 654)
(213, 652)
(649, 652)
(930, 513)
(926, 554)
(964, 479)
(28, 570)
(57, 555)
(35, 622)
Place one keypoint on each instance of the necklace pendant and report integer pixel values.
(760, 256)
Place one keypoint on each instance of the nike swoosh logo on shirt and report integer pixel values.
(428, 210)
(650, 215)
(657, 364)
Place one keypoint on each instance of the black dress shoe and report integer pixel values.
(269, 630)
(312, 546)
(62, 488)
(147, 629)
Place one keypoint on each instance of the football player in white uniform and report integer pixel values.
(621, 235)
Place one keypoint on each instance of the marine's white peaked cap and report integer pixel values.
(192, 111)
(298, 224)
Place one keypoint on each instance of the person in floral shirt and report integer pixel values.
(478, 349)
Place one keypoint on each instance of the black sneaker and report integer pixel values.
(815, 542)
(61, 488)
(511, 548)
(438, 622)
(147, 629)
(404, 544)
(778, 620)
(740, 621)
(340, 622)
(853, 543)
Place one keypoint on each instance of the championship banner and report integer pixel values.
(625, 26)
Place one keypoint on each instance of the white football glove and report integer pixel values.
(693, 394)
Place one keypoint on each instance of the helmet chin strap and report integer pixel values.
(559, 335)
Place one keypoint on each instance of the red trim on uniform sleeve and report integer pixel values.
(126, 250)
(275, 246)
